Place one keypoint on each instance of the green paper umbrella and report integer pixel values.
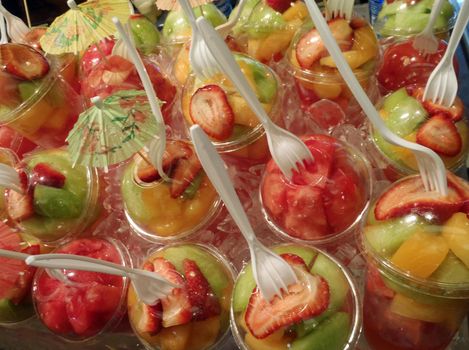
(112, 130)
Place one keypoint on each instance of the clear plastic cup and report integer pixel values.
(195, 326)
(89, 303)
(315, 74)
(241, 135)
(405, 114)
(160, 211)
(60, 201)
(417, 285)
(303, 319)
(407, 18)
(324, 205)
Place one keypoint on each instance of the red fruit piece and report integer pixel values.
(95, 53)
(306, 299)
(9, 94)
(20, 206)
(101, 298)
(204, 302)
(177, 308)
(150, 318)
(274, 194)
(210, 109)
(84, 322)
(46, 175)
(33, 37)
(294, 260)
(23, 62)
(306, 218)
(441, 135)
(454, 112)
(310, 47)
(375, 284)
(54, 315)
(409, 196)
(279, 5)
(185, 172)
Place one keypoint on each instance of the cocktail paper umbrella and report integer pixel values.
(83, 24)
(169, 5)
(112, 130)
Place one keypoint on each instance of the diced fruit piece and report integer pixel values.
(308, 298)
(266, 20)
(275, 341)
(440, 134)
(56, 202)
(54, 315)
(244, 116)
(297, 10)
(27, 89)
(375, 283)
(453, 113)
(306, 254)
(456, 233)
(409, 196)
(46, 175)
(355, 58)
(330, 334)
(210, 109)
(147, 173)
(144, 33)
(174, 338)
(79, 316)
(202, 299)
(294, 260)
(150, 318)
(23, 62)
(204, 333)
(185, 172)
(393, 100)
(191, 190)
(279, 5)
(421, 254)
(20, 206)
(364, 38)
(274, 194)
(266, 84)
(451, 270)
(176, 306)
(95, 53)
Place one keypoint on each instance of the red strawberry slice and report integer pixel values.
(204, 302)
(306, 217)
(310, 47)
(279, 5)
(150, 318)
(441, 135)
(46, 175)
(185, 172)
(306, 299)
(210, 109)
(294, 260)
(23, 62)
(409, 196)
(177, 308)
(274, 194)
(454, 112)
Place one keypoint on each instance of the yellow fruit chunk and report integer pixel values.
(204, 333)
(456, 233)
(276, 42)
(328, 91)
(247, 71)
(275, 341)
(297, 10)
(174, 338)
(253, 46)
(364, 39)
(182, 65)
(421, 254)
(355, 58)
(243, 113)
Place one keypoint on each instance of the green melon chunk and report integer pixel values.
(451, 270)
(56, 203)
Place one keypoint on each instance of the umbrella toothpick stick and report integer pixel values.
(26, 9)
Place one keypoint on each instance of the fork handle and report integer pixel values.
(13, 255)
(189, 12)
(458, 31)
(228, 65)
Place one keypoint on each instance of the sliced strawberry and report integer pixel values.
(185, 172)
(409, 196)
(177, 308)
(310, 47)
(20, 206)
(274, 194)
(204, 302)
(279, 5)
(306, 299)
(150, 318)
(441, 135)
(44, 174)
(294, 260)
(23, 61)
(454, 112)
(33, 37)
(210, 109)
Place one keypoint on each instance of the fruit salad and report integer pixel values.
(194, 316)
(115, 73)
(88, 303)
(146, 36)
(442, 129)
(16, 277)
(266, 27)
(326, 200)
(404, 18)
(164, 210)
(35, 100)
(218, 108)
(417, 289)
(321, 311)
(316, 75)
(58, 200)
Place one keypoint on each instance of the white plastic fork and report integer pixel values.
(3, 30)
(339, 9)
(271, 273)
(225, 28)
(158, 144)
(149, 286)
(426, 42)
(442, 85)
(432, 168)
(287, 150)
(16, 28)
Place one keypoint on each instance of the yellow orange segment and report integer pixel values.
(421, 254)
(456, 233)
(243, 113)
(364, 39)
(297, 10)
(174, 338)
(275, 341)
(355, 58)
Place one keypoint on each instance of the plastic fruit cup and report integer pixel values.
(326, 316)
(15, 285)
(89, 303)
(265, 33)
(237, 131)
(7, 157)
(161, 211)
(316, 76)
(407, 18)
(14, 141)
(195, 317)
(417, 288)
(405, 114)
(324, 205)
(59, 201)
